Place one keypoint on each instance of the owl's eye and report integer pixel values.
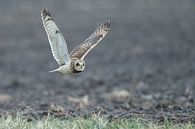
(77, 64)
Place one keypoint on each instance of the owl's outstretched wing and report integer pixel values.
(83, 49)
(56, 40)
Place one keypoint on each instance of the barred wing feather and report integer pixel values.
(84, 48)
(56, 40)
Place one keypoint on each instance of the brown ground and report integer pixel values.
(149, 54)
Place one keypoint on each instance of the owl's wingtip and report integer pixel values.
(45, 13)
(107, 23)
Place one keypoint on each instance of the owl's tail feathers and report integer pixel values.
(60, 70)
(56, 70)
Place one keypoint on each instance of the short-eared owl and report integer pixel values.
(73, 62)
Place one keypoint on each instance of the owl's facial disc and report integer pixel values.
(79, 65)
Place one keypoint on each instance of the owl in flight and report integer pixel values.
(73, 62)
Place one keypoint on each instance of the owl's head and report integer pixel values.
(79, 65)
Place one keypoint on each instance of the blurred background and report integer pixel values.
(149, 52)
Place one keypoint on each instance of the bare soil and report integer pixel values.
(149, 53)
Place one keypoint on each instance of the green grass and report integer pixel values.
(95, 122)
